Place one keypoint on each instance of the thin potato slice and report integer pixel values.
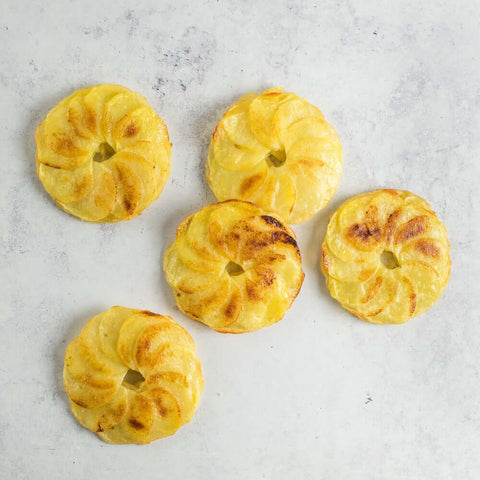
(313, 194)
(100, 200)
(128, 335)
(227, 184)
(400, 310)
(178, 385)
(235, 123)
(104, 417)
(208, 301)
(290, 112)
(232, 156)
(76, 114)
(84, 386)
(306, 127)
(156, 336)
(262, 112)
(140, 124)
(432, 251)
(94, 104)
(133, 178)
(117, 108)
(109, 324)
(427, 283)
(180, 273)
(347, 271)
(46, 156)
(67, 186)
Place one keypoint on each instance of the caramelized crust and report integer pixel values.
(102, 397)
(233, 267)
(103, 154)
(386, 256)
(276, 150)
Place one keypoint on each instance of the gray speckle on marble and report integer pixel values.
(320, 395)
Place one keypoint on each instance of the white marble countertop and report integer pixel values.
(320, 395)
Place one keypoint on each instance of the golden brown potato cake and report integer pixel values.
(386, 256)
(277, 151)
(122, 407)
(233, 267)
(103, 154)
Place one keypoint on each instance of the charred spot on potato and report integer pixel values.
(130, 130)
(371, 222)
(233, 306)
(272, 221)
(427, 248)
(136, 424)
(391, 225)
(413, 303)
(358, 231)
(90, 119)
(253, 291)
(414, 227)
(360, 236)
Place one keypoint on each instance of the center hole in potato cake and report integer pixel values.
(276, 159)
(104, 152)
(234, 269)
(389, 260)
(132, 379)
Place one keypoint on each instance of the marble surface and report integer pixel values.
(320, 395)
